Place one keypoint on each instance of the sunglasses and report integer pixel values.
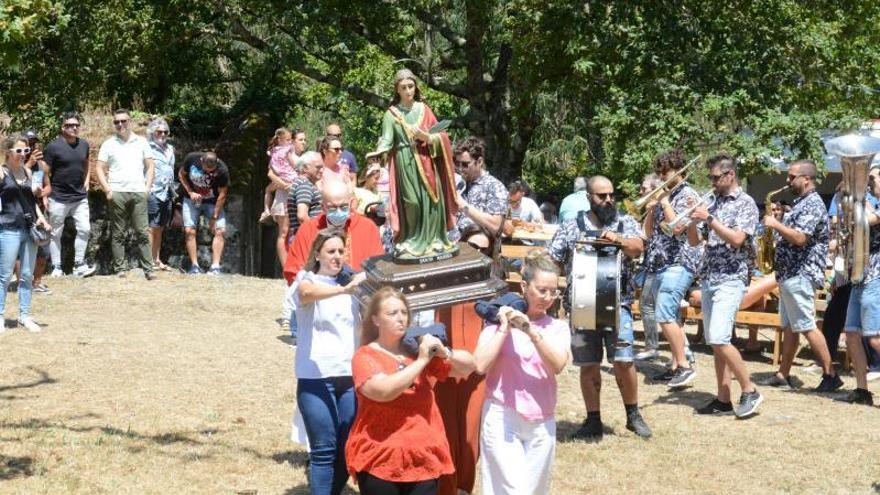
(161, 132)
(70, 126)
(120, 121)
(604, 195)
(335, 150)
(792, 178)
(714, 178)
(20, 151)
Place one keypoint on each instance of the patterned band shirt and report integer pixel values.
(561, 247)
(665, 250)
(721, 262)
(872, 271)
(808, 216)
(486, 194)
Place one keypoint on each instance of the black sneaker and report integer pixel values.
(748, 404)
(663, 377)
(682, 377)
(590, 431)
(636, 424)
(829, 383)
(859, 396)
(716, 407)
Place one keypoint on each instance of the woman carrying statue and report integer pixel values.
(422, 179)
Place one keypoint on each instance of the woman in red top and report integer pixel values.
(397, 444)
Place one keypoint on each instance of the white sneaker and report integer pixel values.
(56, 273)
(29, 324)
(647, 355)
(84, 270)
(873, 375)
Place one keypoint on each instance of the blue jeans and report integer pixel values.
(646, 307)
(17, 244)
(328, 408)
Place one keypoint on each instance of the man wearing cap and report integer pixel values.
(67, 162)
(368, 193)
(125, 170)
(205, 178)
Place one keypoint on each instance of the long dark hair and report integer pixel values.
(324, 235)
(369, 330)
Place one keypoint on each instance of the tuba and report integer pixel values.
(853, 234)
(766, 243)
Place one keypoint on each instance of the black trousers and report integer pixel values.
(835, 317)
(371, 485)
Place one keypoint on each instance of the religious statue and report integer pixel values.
(422, 181)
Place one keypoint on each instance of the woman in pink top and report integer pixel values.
(521, 357)
(331, 150)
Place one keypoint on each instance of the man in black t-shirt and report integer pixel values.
(67, 159)
(206, 181)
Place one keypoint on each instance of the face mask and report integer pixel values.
(337, 216)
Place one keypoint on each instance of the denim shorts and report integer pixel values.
(720, 304)
(670, 286)
(159, 212)
(588, 346)
(797, 304)
(192, 212)
(863, 311)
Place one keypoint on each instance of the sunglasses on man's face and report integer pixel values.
(604, 195)
(70, 126)
(120, 121)
(714, 178)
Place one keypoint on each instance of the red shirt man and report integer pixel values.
(362, 238)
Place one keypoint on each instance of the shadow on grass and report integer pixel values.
(15, 467)
(689, 398)
(296, 458)
(44, 379)
(565, 431)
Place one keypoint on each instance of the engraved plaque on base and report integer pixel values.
(463, 278)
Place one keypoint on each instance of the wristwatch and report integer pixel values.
(709, 220)
(464, 209)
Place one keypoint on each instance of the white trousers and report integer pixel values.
(287, 301)
(58, 212)
(516, 455)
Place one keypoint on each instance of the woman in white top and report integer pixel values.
(327, 316)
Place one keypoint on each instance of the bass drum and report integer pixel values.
(595, 296)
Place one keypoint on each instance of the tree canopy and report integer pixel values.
(557, 88)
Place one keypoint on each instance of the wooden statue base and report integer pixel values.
(466, 277)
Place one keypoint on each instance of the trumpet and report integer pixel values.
(684, 217)
(634, 208)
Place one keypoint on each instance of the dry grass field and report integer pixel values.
(184, 385)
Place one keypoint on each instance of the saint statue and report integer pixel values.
(422, 181)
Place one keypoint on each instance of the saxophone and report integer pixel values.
(766, 243)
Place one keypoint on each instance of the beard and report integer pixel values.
(605, 214)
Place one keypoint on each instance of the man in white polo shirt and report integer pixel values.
(125, 171)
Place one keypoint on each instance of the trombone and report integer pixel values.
(634, 208)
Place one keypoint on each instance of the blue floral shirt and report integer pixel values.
(721, 262)
(163, 180)
(808, 216)
(488, 195)
(872, 271)
(665, 250)
(562, 246)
